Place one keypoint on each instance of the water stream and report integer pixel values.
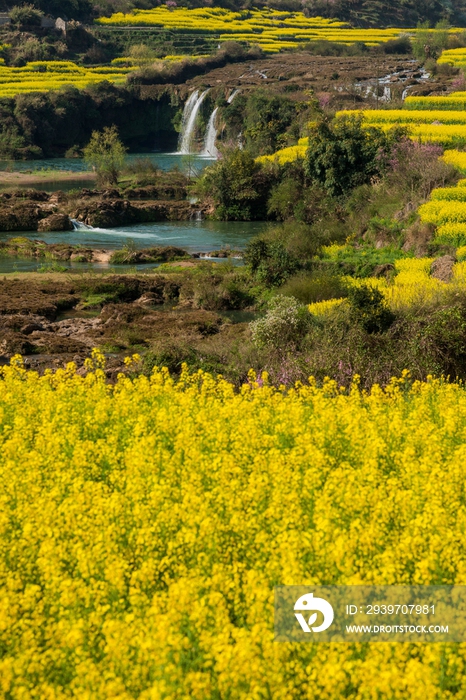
(194, 236)
(188, 123)
(210, 149)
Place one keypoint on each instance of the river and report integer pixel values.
(165, 161)
(193, 236)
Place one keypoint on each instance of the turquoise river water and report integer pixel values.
(194, 236)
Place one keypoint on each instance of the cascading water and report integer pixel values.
(210, 149)
(189, 121)
(79, 226)
(232, 96)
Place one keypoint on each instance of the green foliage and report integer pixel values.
(238, 186)
(26, 15)
(369, 309)
(106, 154)
(342, 154)
(268, 118)
(430, 44)
(285, 324)
(270, 262)
(317, 286)
(402, 45)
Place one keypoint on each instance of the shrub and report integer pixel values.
(238, 185)
(270, 261)
(368, 308)
(26, 15)
(106, 154)
(312, 288)
(343, 154)
(285, 324)
(402, 45)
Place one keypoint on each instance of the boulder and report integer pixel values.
(55, 222)
(442, 268)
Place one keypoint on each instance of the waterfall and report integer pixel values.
(232, 96)
(79, 226)
(190, 113)
(210, 149)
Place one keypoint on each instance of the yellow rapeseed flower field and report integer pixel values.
(43, 76)
(144, 525)
(273, 30)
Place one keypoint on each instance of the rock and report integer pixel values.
(12, 343)
(55, 222)
(101, 256)
(442, 268)
(384, 270)
(149, 299)
(31, 327)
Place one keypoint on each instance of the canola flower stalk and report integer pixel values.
(144, 525)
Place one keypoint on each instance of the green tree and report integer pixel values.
(238, 186)
(26, 15)
(106, 154)
(343, 154)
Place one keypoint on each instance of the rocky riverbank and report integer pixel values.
(32, 210)
(51, 320)
(21, 247)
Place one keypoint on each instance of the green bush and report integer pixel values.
(343, 154)
(368, 308)
(26, 15)
(271, 262)
(238, 186)
(318, 286)
(285, 324)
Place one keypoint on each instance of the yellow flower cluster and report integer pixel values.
(450, 102)
(447, 209)
(412, 284)
(404, 117)
(144, 525)
(449, 194)
(322, 308)
(42, 76)
(286, 155)
(447, 128)
(461, 252)
(273, 30)
(456, 57)
(458, 159)
(439, 212)
(451, 234)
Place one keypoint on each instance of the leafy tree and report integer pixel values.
(106, 153)
(26, 15)
(238, 186)
(342, 154)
